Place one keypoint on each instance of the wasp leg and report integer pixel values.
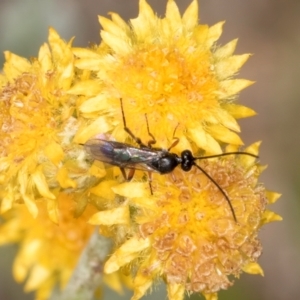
(123, 173)
(153, 141)
(176, 139)
(130, 174)
(150, 180)
(136, 139)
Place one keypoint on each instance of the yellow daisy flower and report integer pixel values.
(170, 69)
(186, 234)
(48, 252)
(38, 122)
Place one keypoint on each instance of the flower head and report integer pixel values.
(186, 233)
(172, 70)
(38, 158)
(48, 252)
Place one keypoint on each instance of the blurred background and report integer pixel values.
(271, 31)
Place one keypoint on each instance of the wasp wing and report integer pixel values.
(123, 155)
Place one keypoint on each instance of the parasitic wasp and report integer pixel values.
(148, 158)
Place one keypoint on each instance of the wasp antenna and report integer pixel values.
(225, 154)
(220, 189)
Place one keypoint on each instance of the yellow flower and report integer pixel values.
(170, 69)
(186, 234)
(38, 122)
(48, 252)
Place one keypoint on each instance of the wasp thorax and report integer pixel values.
(167, 163)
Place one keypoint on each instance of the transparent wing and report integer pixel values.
(122, 155)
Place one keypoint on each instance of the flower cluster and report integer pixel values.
(195, 230)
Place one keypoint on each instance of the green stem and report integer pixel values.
(87, 276)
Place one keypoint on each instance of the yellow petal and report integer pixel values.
(7, 199)
(25, 258)
(64, 59)
(113, 28)
(81, 205)
(37, 276)
(86, 53)
(94, 104)
(54, 152)
(45, 60)
(113, 281)
(173, 15)
(228, 67)
(200, 33)
(190, 16)
(253, 148)
(232, 87)
(227, 120)
(175, 291)
(41, 184)
(63, 179)
(52, 207)
(272, 196)
(9, 232)
(31, 205)
(126, 253)
(97, 169)
(144, 202)
(253, 268)
(15, 65)
(239, 111)
(144, 21)
(87, 59)
(214, 33)
(223, 134)
(27, 197)
(120, 22)
(100, 125)
(141, 285)
(131, 189)
(270, 216)
(104, 189)
(117, 44)
(204, 140)
(226, 51)
(86, 88)
(89, 64)
(114, 216)
(46, 289)
(213, 296)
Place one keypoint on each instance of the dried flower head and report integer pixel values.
(185, 233)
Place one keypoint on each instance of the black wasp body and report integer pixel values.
(149, 159)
